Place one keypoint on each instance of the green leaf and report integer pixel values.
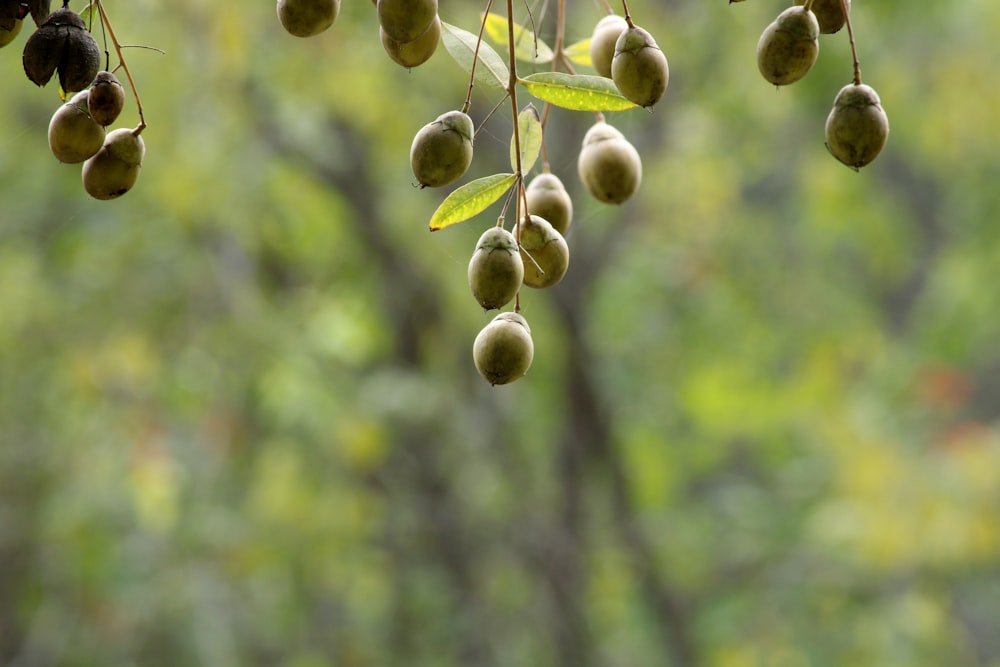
(530, 135)
(526, 47)
(579, 92)
(470, 199)
(461, 44)
(86, 14)
(578, 53)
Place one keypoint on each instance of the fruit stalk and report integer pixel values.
(850, 37)
(475, 60)
(521, 203)
(124, 66)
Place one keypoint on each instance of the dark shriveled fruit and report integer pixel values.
(603, 41)
(857, 127)
(609, 166)
(547, 198)
(9, 29)
(441, 151)
(503, 350)
(416, 52)
(114, 169)
(789, 46)
(639, 68)
(73, 134)
(106, 99)
(62, 44)
(307, 18)
(495, 270)
(405, 20)
(547, 247)
(829, 14)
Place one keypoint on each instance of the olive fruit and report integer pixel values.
(73, 135)
(857, 127)
(405, 20)
(495, 270)
(639, 68)
(609, 166)
(544, 252)
(107, 98)
(62, 43)
(603, 40)
(441, 151)
(415, 52)
(503, 350)
(789, 46)
(829, 14)
(113, 170)
(307, 18)
(547, 198)
(9, 29)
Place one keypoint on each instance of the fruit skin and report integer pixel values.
(857, 127)
(503, 350)
(441, 151)
(609, 166)
(307, 18)
(107, 98)
(62, 44)
(405, 20)
(496, 270)
(788, 47)
(416, 52)
(73, 134)
(547, 198)
(547, 248)
(829, 14)
(114, 169)
(603, 41)
(639, 68)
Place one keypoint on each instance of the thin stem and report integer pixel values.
(512, 91)
(558, 50)
(807, 6)
(854, 48)
(475, 59)
(124, 66)
(628, 16)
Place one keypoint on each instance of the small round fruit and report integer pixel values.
(405, 20)
(547, 198)
(307, 18)
(603, 40)
(503, 350)
(609, 166)
(416, 52)
(857, 127)
(107, 98)
(829, 14)
(495, 270)
(639, 68)
(114, 169)
(547, 247)
(789, 46)
(73, 134)
(441, 151)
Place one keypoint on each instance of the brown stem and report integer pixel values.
(475, 59)
(628, 16)
(854, 48)
(124, 66)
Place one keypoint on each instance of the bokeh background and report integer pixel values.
(239, 419)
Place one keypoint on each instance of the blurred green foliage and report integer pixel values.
(240, 424)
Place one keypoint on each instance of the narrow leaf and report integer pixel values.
(579, 92)
(86, 14)
(526, 47)
(461, 44)
(530, 135)
(470, 199)
(578, 53)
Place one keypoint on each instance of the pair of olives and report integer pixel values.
(629, 56)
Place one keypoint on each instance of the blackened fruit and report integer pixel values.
(106, 99)
(416, 52)
(73, 134)
(62, 43)
(307, 18)
(639, 68)
(114, 169)
(603, 40)
(405, 20)
(857, 127)
(829, 14)
(547, 198)
(609, 166)
(9, 29)
(547, 247)
(789, 46)
(495, 270)
(441, 151)
(503, 350)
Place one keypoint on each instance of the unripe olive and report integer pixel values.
(547, 247)
(503, 350)
(442, 150)
(73, 134)
(107, 98)
(609, 166)
(789, 46)
(495, 270)
(547, 198)
(405, 20)
(603, 40)
(416, 52)
(114, 169)
(857, 127)
(9, 29)
(829, 14)
(306, 18)
(639, 68)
